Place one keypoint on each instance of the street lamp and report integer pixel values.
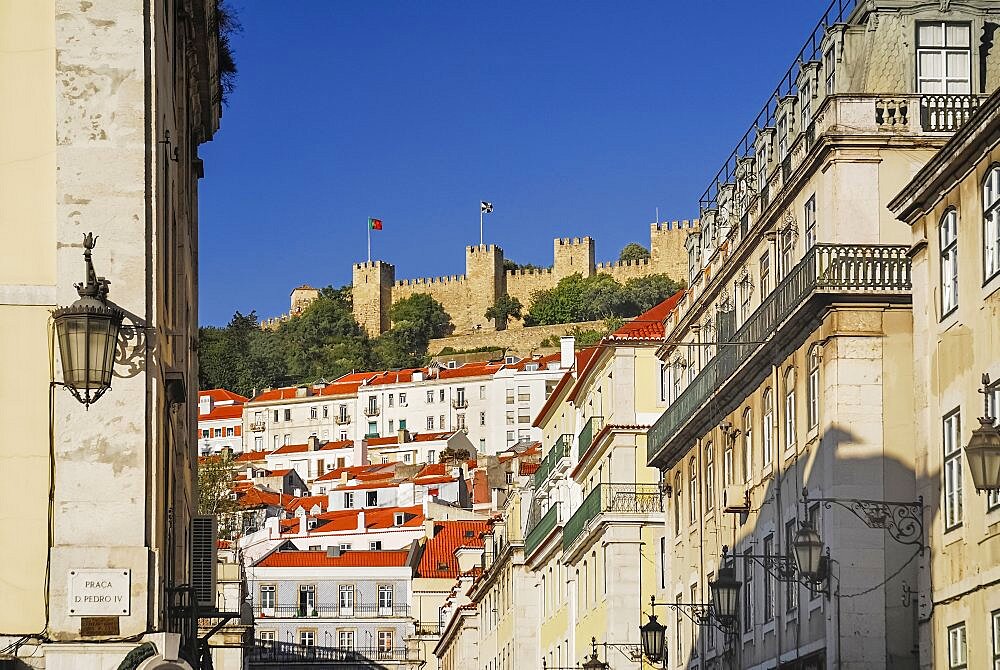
(593, 663)
(653, 636)
(983, 449)
(808, 548)
(88, 335)
(725, 591)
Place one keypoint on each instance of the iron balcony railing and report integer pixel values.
(257, 426)
(268, 651)
(612, 499)
(946, 113)
(590, 429)
(559, 450)
(371, 411)
(342, 419)
(830, 268)
(331, 610)
(541, 530)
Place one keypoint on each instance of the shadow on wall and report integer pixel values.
(869, 610)
(267, 655)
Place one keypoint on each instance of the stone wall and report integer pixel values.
(517, 340)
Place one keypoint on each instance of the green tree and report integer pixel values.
(633, 252)
(644, 293)
(236, 357)
(503, 310)
(215, 482)
(423, 312)
(600, 296)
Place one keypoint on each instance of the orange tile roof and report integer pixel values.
(648, 326)
(438, 559)
(222, 395)
(302, 448)
(308, 502)
(248, 456)
(376, 518)
(254, 497)
(431, 469)
(348, 559)
(528, 468)
(280, 473)
(414, 437)
(220, 412)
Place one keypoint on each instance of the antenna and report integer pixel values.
(657, 216)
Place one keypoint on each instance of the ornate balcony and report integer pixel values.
(371, 411)
(459, 403)
(288, 653)
(860, 272)
(613, 500)
(342, 419)
(946, 113)
(331, 611)
(257, 427)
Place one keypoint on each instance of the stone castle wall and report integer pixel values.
(467, 297)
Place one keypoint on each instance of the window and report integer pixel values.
(767, 428)
(765, 274)
(809, 215)
(431, 453)
(993, 404)
(307, 638)
(523, 393)
(510, 417)
(204, 433)
(218, 432)
(460, 422)
(460, 396)
(693, 506)
(392, 426)
(342, 413)
(375, 546)
(957, 652)
(276, 416)
(373, 428)
(951, 439)
(267, 596)
(314, 412)
(371, 498)
(307, 599)
(790, 408)
(524, 415)
(709, 477)
(748, 444)
(510, 436)
(944, 58)
(786, 243)
(695, 630)
(746, 290)
(805, 102)
(346, 601)
(407, 457)
(812, 389)
(391, 399)
(679, 623)
(762, 166)
(991, 224)
(747, 591)
(441, 395)
(326, 411)
(384, 599)
(345, 639)
(791, 588)
(277, 441)
(815, 519)
(430, 423)
(664, 381)
(830, 70)
(430, 396)
(482, 391)
(727, 462)
(782, 136)
(288, 415)
(287, 438)
(948, 234)
(348, 499)
(770, 584)
(266, 635)
(510, 396)
(402, 400)
(258, 443)
(677, 504)
(996, 640)
(482, 418)
(441, 422)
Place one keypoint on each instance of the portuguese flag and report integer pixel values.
(374, 224)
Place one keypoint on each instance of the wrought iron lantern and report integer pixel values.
(725, 591)
(594, 663)
(654, 639)
(808, 549)
(983, 449)
(88, 335)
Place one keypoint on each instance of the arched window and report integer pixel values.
(812, 388)
(677, 503)
(790, 408)
(709, 477)
(766, 433)
(747, 444)
(693, 506)
(948, 236)
(728, 477)
(991, 223)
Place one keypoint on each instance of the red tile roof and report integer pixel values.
(308, 502)
(376, 518)
(252, 497)
(648, 326)
(348, 559)
(220, 412)
(414, 437)
(438, 559)
(280, 473)
(251, 456)
(302, 448)
(222, 395)
(529, 468)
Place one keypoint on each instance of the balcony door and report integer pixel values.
(346, 600)
(944, 58)
(307, 599)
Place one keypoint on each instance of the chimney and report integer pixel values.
(297, 492)
(313, 443)
(303, 525)
(361, 452)
(273, 526)
(250, 472)
(361, 521)
(567, 346)
(429, 528)
(404, 435)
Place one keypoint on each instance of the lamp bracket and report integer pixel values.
(699, 613)
(783, 569)
(904, 521)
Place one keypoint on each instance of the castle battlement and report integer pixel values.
(611, 265)
(574, 241)
(529, 272)
(667, 226)
(373, 265)
(483, 248)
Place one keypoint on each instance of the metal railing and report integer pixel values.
(331, 610)
(541, 530)
(371, 411)
(946, 113)
(459, 403)
(559, 450)
(257, 426)
(612, 499)
(835, 268)
(267, 651)
(590, 429)
(342, 419)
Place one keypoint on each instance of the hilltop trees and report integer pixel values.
(600, 296)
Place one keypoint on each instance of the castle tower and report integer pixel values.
(666, 246)
(372, 295)
(301, 297)
(571, 255)
(485, 278)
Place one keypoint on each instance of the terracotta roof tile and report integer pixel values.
(439, 559)
(648, 326)
(348, 559)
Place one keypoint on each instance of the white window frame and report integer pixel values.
(790, 418)
(748, 445)
(830, 69)
(709, 477)
(991, 224)
(958, 650)
(948, 240)
(951, 471)
(948, 81)
(782, 130)
(805, 103)
(809, 218)
(812, 389)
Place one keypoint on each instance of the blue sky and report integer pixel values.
(573, 118)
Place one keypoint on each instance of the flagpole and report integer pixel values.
(480, 225)
(369, 241)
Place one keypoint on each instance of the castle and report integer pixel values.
(467, 297)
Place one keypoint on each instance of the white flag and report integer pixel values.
(485, 207)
